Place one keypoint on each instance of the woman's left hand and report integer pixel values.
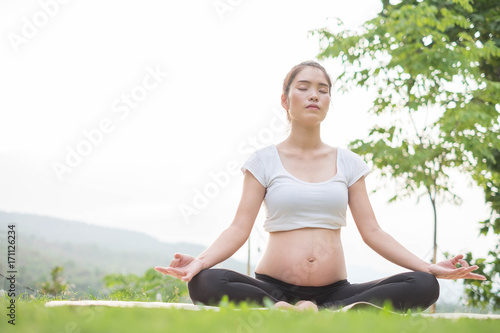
(447, 270)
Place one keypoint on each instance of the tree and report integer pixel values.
(436, 67)
(151, 286)
(485, 29)
(488, 293)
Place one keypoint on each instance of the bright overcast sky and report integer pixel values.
(128, 113)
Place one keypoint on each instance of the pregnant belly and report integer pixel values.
(304, 257)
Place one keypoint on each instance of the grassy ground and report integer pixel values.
(35, 317)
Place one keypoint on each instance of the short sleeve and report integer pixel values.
(357, 168)
(255, 165)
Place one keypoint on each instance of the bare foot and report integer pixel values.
(300, 306)
(283, 305)
(306, 305)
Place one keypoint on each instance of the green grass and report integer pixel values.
(33, 316)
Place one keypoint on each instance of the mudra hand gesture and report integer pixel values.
(183, 267)
(447, 269)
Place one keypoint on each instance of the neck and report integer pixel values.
(304, 137)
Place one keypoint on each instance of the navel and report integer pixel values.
(311, 259)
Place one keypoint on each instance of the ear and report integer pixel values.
(284, 102)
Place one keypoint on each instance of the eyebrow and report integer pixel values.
(306, 81)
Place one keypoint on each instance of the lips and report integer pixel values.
(313, 106)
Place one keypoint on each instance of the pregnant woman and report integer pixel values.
(306, 186)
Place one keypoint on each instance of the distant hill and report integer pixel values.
(87, 252)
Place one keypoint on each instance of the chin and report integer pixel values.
(313, 119)
(310, 123)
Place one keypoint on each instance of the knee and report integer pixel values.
(428, 286)
(202, 286)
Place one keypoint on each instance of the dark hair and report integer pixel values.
(297, 68)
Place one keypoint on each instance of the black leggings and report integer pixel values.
(411, 290)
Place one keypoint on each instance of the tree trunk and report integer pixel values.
(434, 256)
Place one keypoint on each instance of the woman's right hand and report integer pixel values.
(183, 267)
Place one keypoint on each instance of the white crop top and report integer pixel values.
(292, 203)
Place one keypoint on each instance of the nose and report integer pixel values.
(314, 97)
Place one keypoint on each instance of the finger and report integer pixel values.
(178, 258)
(174, 262)
(463, 272)
(166, 270)
(175, 272)
(170, 271)
(463, 263)
(161, 269)
(471, 268)
(456, 259)
(475, 276)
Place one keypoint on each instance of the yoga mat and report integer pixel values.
(189, 306)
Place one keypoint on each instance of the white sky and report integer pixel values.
(72, 73)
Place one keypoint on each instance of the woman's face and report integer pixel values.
(308, 99)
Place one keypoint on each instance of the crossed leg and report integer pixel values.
(411, 290)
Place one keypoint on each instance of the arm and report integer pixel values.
(231, 239)
(184, 267)
(376, 238)
(385, 245)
